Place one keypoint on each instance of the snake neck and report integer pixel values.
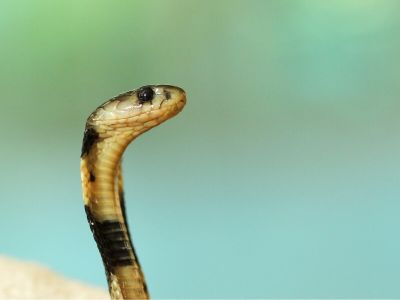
(104, 205)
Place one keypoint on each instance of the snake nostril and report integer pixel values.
(145, 94)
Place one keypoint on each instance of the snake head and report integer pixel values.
(140, 109)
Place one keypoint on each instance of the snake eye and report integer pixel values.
(145, 94)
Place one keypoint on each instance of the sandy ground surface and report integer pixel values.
(27, 280)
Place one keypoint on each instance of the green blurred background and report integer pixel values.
(279, 179)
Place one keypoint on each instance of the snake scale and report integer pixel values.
(109, 130)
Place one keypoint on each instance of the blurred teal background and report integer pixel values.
(279, 179)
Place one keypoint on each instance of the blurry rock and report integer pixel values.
(26, 280)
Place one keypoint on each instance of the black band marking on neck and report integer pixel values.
(91, 176)
(89, 138)
(110, 237)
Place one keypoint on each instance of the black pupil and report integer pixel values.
(145, 94)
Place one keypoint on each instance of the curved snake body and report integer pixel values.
(109, 130)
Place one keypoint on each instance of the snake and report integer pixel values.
(109, 129)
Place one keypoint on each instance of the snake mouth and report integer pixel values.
(172, 95)
(182, 100)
